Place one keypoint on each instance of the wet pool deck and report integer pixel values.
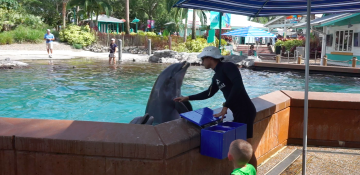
(320, 160)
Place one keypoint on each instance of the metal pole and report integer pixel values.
(307, 56)
(220, 23)
(120, 49)
(136, 28)
(288, 56)
(149, 46)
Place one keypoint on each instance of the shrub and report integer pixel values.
(77, 46)
(55, 33)
(22, 34)
(77, 35)
(197, 45)
(166, 33)
(6, 38)
(289, 45)
(225, 52)
(26, 34)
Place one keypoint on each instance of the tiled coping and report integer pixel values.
(348, 71)
(35, 146)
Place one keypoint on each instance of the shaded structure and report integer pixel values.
(108, 24)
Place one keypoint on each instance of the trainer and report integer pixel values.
(227, 78)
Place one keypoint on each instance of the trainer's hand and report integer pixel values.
(222, 113)
(181, 99)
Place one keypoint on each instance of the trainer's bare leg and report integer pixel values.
(109, 60)
(114, 60)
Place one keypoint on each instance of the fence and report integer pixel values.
(157, 42)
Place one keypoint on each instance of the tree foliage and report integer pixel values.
(9, 4)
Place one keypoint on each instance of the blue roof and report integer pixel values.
(272, 7)
(249, 32)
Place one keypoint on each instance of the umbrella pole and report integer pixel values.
(220, 23)
(307, 56)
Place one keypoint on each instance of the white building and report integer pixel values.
(340, 37)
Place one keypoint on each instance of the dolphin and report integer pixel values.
(161, 107)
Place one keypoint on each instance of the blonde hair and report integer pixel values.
(241, 151)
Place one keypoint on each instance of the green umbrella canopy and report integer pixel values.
(135, 20)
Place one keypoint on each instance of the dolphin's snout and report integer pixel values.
(186, 63)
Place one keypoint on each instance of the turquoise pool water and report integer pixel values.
(95, 91)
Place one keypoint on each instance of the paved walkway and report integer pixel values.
(320, 160)
(65, 54)
(61, 51)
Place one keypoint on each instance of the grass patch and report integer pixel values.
(22, 34)
(6, 38)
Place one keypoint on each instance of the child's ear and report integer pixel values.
(230, 157)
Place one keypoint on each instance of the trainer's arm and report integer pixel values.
(233, 73)
(211, 91)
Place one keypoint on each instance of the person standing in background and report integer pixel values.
(113, 50)
(49, 37)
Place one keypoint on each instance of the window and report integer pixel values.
(111, 27)
(343, 40)
(329, 40)
(356, 39)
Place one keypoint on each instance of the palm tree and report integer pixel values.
(64, 2)
(180, 14)
(193, 32)
(262, 20)
(203, 19)
(127, 30)
(91, 6)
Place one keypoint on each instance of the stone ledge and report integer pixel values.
(325, 100)
(83, 137)
(178, 136)
(271, 103)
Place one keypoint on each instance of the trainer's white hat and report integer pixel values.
(112, 39)
(48, 30)
(212, 52)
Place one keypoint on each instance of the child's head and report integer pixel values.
(240, 152)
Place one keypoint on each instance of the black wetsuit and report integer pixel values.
(227, 78)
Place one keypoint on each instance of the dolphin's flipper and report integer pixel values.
(135, 120)
(142, 120)
(188, 105)
(150, 121)
(180, 107)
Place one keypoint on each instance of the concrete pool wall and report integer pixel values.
(35, 146)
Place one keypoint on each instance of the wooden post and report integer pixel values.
(149, 46)
(325, 61)
(299, 59)
(354, 62)
(120, 49)
(278, 58)
(169, 42)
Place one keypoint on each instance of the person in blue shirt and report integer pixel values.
(49, 37)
